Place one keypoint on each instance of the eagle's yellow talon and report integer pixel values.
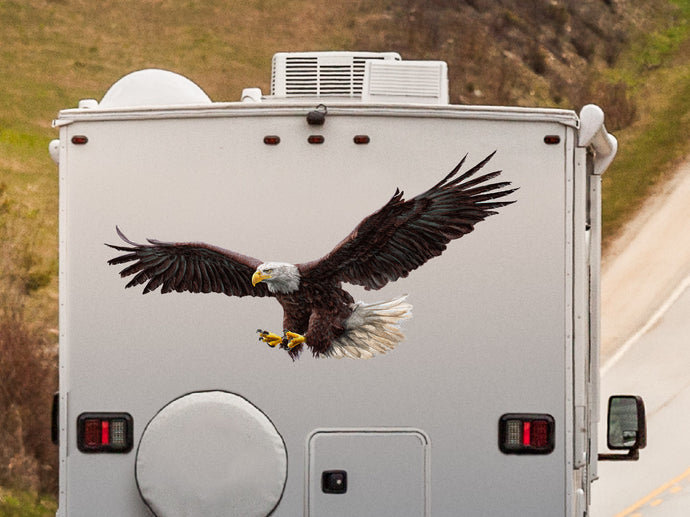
(271, 339)
(295, 339)
(288, 340)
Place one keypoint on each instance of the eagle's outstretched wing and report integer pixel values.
(193, 267)
(404, 234)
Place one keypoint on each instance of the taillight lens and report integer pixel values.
(105, 432)
(526, 433)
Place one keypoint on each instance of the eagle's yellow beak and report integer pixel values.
(258, 276)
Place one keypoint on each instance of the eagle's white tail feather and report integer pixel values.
(371, 329)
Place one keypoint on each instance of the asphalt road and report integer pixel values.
(655, 364)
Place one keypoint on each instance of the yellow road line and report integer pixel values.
(655, 493)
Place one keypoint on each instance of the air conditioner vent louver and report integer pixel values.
(322, 73)
(308, 77)
(406, 81)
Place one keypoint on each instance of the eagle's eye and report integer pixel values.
(268, 271)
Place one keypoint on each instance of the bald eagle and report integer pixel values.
(318, 312)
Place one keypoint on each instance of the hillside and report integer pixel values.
(513, 52)
(629, 56)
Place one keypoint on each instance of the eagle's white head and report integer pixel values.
(280, 277)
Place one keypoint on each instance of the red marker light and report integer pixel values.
(316, 139)
(361, 139)
(271, 140)
(79, 139)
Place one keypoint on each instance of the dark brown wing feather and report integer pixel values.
(404, 234)
(193, 267)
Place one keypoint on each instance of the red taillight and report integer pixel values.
(92, 432)
(361, 139)
(316, 139)
(80, 139)
(104, 432)
(526, 433)
(539, 435)
(271, 140)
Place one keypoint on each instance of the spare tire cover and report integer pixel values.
(211, 454)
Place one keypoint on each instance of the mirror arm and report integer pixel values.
(632, 455)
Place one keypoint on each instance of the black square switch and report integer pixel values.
(334, 481)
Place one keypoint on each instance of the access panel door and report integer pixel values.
(368, 472)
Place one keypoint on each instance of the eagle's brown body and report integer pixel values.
(318, 312)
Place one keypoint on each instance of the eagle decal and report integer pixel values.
(318, 312)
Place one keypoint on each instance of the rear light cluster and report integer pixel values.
(526, 433)
(104, 432)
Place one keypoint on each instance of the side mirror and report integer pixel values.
(627, 427)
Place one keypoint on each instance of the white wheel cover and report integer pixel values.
(211, 454)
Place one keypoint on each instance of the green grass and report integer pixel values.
(25, 504)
